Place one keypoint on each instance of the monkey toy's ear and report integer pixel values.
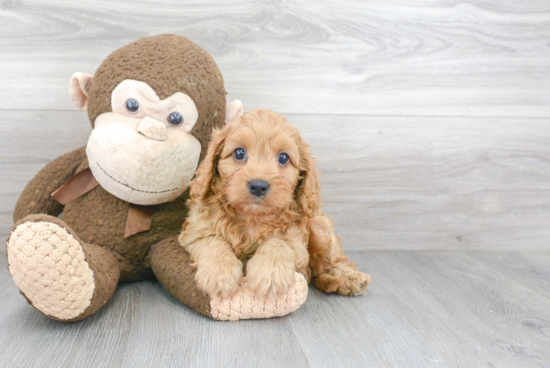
(233, 110)
(79, 87)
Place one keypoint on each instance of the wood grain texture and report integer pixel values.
(428, 309)
(403, 179)
(444, 57)
(389, 182)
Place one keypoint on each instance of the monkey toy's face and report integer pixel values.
(153, 104)
(142, 151)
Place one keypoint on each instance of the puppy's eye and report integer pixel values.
(175, 119)
(239, 154)
(283, 158)
(132, 105)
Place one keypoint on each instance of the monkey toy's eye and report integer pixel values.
(239, 154)
(283, 158)
(132, 105)
(175, 119)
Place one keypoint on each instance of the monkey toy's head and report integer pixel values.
(152, 105)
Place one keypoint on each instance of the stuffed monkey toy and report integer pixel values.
(152, 105)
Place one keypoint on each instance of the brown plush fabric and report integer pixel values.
(106, 276)
(98, 217)
(36, 195)
(172, 267)
(101, 261)
(169, 64)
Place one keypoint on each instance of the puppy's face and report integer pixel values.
(259, 164)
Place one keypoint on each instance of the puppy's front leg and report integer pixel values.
(271, 271)
(219, 271)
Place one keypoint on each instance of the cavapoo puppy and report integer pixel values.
(256, 200)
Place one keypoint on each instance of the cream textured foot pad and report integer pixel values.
(245, 305)
(48, 265)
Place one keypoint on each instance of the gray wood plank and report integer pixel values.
(445, 57)
(389, 182)
(429, 309)
(522, 270)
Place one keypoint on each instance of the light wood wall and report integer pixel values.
(430, 119)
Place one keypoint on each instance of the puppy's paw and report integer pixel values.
(354, 283)
(219, 277)
(345, 280)
(269, 277)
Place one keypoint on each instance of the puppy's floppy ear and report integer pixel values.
(201, 185)
(308, 190)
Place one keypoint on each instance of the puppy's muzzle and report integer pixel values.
(258, 188)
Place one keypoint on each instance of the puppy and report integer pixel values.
(256, 200)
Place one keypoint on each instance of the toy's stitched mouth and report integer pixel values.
(139, 190)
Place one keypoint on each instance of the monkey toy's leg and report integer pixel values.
(172, 267)
(331, 268)
(58, 274)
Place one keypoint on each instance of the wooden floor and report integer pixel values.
(424, 309)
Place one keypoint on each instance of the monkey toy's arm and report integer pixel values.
(174, 269)
(36, 198)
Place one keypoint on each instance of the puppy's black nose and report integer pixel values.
(258, 187)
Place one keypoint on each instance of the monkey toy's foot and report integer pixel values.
(60, 276)
(244, 304)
